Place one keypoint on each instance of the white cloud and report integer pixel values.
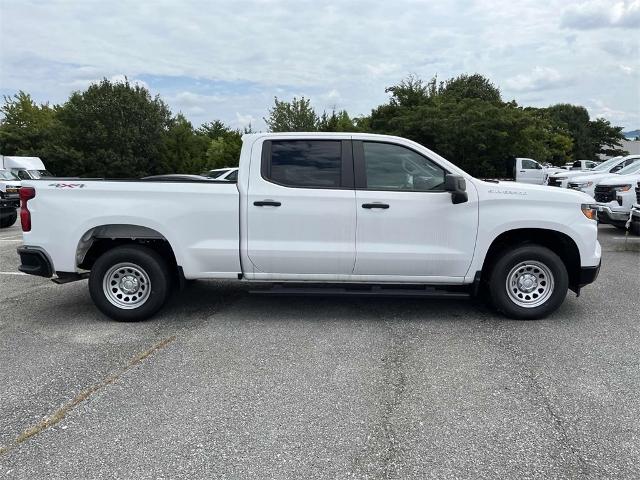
(244, 120)
(120, 78)
(629, 70)
(540, 78)
(602, 14)
(212, 60)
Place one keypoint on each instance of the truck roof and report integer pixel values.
(26, 163)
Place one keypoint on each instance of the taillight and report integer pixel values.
(26, 194)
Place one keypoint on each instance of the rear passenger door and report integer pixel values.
(301, 214)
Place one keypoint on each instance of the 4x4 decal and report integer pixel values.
(67, 185)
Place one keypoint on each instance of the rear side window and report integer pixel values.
(306, 163)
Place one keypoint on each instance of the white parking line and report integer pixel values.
(633, 239)
(10, 240)
(12, 273)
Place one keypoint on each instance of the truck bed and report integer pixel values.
(199, 218)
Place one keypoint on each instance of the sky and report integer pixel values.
(228, 59)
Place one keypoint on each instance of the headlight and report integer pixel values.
(622, 188)
(589, 211)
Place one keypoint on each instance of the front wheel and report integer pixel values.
(129, 283)
(528, 282)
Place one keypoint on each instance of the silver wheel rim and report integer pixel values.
(126, 286)
(530, 284)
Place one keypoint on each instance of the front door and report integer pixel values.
(407, 224)
(530, 171)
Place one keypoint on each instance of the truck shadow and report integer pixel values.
(201, 300)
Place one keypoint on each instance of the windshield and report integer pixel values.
(605, 165)
(7, 175)
(37, 174)
(633, 168)
(215, 173)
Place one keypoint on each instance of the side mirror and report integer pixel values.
(458, 188)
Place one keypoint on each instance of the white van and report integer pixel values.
(26, 168)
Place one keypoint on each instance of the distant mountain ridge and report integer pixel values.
(632, 133)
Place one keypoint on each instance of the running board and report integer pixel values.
(367, 291)
(68, 277)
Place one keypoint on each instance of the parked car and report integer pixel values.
(615, 197)
(612, 165)
(335, 210)
(9, 198)
(26, 168)
(177, 177)
(228, 174)
(589, 183)
(584, 165)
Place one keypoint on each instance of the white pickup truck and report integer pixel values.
(353, 213)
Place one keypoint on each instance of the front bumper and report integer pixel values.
(10, 202)
(588, 275)
(34, 261)
(634, 225)
(607, 215)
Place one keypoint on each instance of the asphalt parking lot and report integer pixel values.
(223, 384)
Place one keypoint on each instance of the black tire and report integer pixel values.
(145, 267)
(521, 263)
(7, 220)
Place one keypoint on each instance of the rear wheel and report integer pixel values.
(129, 283)
(8, 219)
(528, 282)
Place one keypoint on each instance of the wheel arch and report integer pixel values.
(99, 239)
(559, 243)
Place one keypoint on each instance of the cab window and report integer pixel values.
(528, 164)
(305, 163)
(394, 167)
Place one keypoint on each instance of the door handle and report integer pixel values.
(384, 206)
(267, 203)
(522, 171)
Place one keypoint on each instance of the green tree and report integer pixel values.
(336, 122)
(471, 86)
(183, 151)
(605, 138)
(29, 129)
(224, 152)
(26, 125)
(295, 116)
(476, 132)
(590, 138)
(117, 128)
(224, 144)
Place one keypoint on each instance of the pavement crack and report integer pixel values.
(558, 423)
(396, 382)
(62, 412)
(380, 458)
